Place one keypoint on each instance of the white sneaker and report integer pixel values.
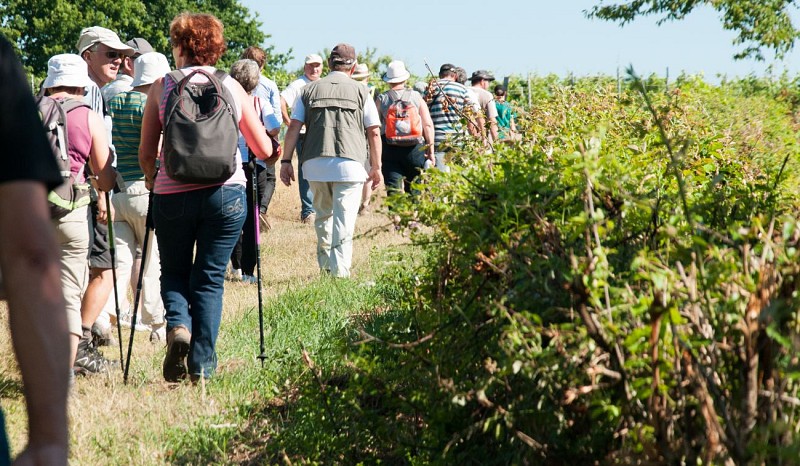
(125, 321)
(159, 334)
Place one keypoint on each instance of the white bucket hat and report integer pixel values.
(396, 72)
(66, 69)
(149, 67)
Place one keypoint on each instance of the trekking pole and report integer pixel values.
(112, 248)
(148, 229)
(262, 356)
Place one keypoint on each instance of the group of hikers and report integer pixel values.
(190, 155)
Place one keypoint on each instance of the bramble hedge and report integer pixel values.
(618, 287)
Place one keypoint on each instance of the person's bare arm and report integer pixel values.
(375, 174)
(29, 258)
(285, 112)
(427, 130)
(151, 133)
(289, 143)
(251, 126)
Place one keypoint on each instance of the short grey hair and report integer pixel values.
(247, 72)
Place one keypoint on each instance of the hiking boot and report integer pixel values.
(174, 369)
(264, 222)
(89, 360)
(308, 219)
(102, 335)
(249, 279)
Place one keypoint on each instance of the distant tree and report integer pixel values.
(44, 28)
(760, 24)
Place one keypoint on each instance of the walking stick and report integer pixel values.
(112, 248)
(148, 230)
(256, 211)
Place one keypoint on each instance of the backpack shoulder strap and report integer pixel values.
(176, 75)
(71, 104)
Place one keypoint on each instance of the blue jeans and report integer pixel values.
(196, 233)
(306, 207)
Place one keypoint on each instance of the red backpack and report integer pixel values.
(403, 123)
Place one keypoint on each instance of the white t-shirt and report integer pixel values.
(268, 119)
(328, 169)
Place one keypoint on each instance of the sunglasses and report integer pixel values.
(113, 54)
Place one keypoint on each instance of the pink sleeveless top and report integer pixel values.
(165, 184)
(80, 141)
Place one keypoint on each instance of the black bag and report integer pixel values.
(70, 195)
(201, 132)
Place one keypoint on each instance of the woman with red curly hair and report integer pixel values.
(197, 225)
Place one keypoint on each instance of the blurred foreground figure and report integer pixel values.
(29, 259)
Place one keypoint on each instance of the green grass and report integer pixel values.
(314, 319)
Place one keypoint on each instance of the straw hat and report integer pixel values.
(361, 72)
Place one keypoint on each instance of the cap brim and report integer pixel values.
(116, 45)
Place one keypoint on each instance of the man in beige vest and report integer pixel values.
(340, 118)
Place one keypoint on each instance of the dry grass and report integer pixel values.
(112, 423)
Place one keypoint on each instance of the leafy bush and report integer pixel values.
(619, 287)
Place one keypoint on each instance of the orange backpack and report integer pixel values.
(403, 123)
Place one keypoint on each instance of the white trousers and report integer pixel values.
(130, 215)
(336, 208)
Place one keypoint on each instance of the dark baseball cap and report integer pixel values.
(481, 74)
(448, 68)
(140, 46)
(343, 54)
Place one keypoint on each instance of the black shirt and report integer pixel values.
(25, 153)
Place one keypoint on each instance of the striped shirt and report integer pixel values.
(126, 111)
(445, 111)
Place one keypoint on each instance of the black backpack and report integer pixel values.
(201, 132)
(70, 195)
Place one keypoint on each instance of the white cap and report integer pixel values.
(149, 67)
(396, 72)
(313, 58)
(100, 35)
(66, 69)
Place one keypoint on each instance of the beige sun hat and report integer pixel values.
(396, 72)
(361, 72)
(66, 69)
(313, 58)
(100, 35)
(149, 67)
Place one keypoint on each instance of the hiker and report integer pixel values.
(446, 100)
(197, 224)
(36, 313)
(312, 69)
(67, 79)
(506, 117)
(480, 83)
(124, 80)
(361, 74)
(244, 259)
(103, 53)
(131, 203)
(401, 148)
(268, 91)
(333, 155)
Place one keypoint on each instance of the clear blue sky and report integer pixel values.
(509, 37)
